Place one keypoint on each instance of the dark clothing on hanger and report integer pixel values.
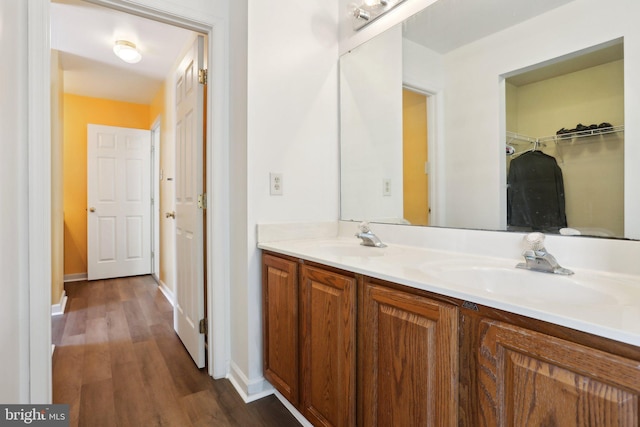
(535, 193)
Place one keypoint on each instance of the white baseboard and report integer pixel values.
(58, 309)
(296, 414)
(168, 293)
(78, 277)
(249, 390)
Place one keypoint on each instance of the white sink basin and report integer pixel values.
(535, 287)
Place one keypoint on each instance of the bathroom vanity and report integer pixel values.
(358, 336)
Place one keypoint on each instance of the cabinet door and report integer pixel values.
(409, 359)
(328, 347)
(280, 325)
(531, 379)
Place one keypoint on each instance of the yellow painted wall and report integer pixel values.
(79, 111)
(592, 167)
(57, 180)
(415, 154)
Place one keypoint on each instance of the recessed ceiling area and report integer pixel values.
(85, 34)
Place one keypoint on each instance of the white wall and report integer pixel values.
(239, 230)
(284, 119)
(371, 118)
(474, 111)
(14, 269)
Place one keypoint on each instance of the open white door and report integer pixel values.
(119, 202)
(189, 307)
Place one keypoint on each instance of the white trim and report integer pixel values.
(218, 240)
(39, 194)
(76, 277)
(58, 309)
(156, 134)
(249, 390)
(296, 414)
(168, 293)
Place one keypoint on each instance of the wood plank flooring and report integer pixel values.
(118, 362)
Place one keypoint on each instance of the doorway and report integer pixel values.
(216, 365)
(415, 154)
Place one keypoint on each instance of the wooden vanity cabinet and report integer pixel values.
(309, 338)
(328, 336)
(518, 371)
(280, 325)
(408, 358)
(335, 342)
(533, 379)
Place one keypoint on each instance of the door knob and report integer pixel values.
(92, 209)
(170, 215)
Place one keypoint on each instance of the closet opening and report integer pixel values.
(564, 149)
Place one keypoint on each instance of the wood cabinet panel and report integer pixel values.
(409, 358)
(527, 378)
(328, 347)
(280, 325)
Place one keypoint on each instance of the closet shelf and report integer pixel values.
(565, 137)
(559, 139)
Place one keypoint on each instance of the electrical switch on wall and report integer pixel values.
(275, 186)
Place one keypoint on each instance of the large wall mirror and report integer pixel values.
(501, 115)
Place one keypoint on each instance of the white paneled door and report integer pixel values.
(189, 215)
(119, 202)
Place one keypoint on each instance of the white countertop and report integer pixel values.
(602, 304)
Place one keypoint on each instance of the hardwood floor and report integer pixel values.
(118, 362)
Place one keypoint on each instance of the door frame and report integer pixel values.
(435, 150)
(39, 164)
(155, 198)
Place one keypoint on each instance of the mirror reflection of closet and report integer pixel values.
(549, 113)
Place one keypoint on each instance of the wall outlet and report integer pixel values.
(386, 187)
(275, 184)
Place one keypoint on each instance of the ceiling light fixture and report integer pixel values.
(127, 51)
(371, 10)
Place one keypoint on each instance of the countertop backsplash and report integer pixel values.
(590, 253)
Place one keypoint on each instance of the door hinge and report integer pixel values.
(202, 201)
(203, 326)
(202, 76)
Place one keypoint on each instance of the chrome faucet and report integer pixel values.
(538, 259)
(367, 236)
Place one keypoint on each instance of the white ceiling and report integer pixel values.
(449, 24)
(85, 33)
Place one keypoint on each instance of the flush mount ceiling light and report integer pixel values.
(371, 10)
(127, 51)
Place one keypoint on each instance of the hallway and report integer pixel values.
(118, 362)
